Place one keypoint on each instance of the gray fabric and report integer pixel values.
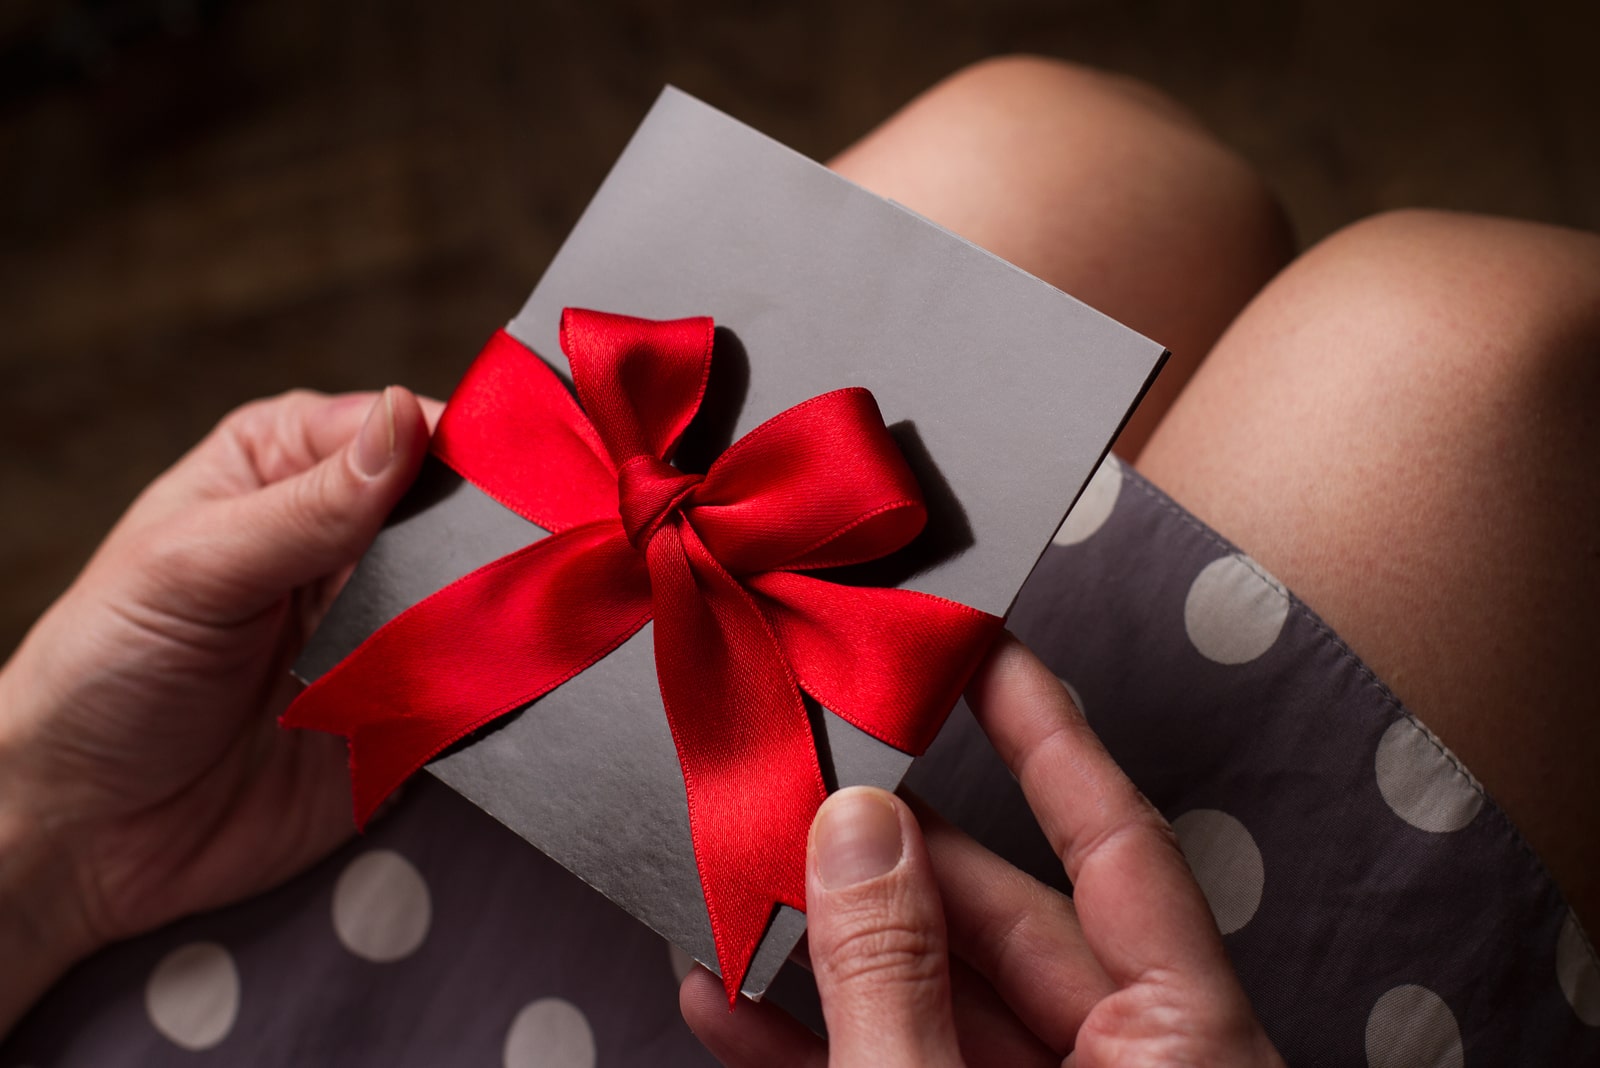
(1380, 910)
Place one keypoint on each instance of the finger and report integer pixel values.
(877, 935)
(283, 436)
(1019, 934)
(755, 1033)
(988, 1031)
(1141, 911)
(257, 444)
(231, 558)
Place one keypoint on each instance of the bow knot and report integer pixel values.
(649, 492)
(740, 630)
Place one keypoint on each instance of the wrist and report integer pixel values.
(42, 925)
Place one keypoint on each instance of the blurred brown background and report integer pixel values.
(207, 201)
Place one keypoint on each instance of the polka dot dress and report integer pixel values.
(437, 938)
(1380, 909)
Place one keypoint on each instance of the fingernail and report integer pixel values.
(375, 442)
(856, 838)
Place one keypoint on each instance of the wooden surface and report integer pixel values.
(204, 202)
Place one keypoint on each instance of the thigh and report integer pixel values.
(1402, 428)
(1098, 185)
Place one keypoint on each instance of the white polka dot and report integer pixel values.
(1094, 504)
(682, 963)
(549, 1033)
(1412, 1027)
(381, 907)
(193, 995)
(1578, 971)
(1421, 783)
(1234, 610)
(1226, 863)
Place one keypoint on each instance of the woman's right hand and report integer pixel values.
(930, 950)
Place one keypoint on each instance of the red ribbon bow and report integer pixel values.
(716, 560)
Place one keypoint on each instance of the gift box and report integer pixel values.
(903, 370)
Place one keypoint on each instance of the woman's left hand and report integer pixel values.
(143, 775)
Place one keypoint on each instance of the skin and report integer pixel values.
(1111, 192)
(1387, 427)
(1130, 971)
(143, 776)
(1095, 183)
(1402, 429)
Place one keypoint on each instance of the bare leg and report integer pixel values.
(1403, 429)
(1096, 184)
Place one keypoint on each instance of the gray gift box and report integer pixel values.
(1003, 392)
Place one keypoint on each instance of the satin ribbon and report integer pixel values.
(717, 561)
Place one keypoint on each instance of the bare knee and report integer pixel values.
(1021, 80)
(1099, 185)
(1063, 142)
(1402, 428)
(1493, 301)
(1440, 341)
(1418, 338)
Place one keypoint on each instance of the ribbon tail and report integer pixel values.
(892, 662)
(744, 742)
(483, 646)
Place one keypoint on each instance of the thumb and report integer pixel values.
(264, 544)
(877, 935)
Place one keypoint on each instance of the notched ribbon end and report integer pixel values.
(738, 940)
(371, 785)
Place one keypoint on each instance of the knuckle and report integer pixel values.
(266, 411)
(1155, 1022)
(270, 432)
(1140, 821)
(245, 415)
(879, 947)
(315, 507)
(176, 579)
(1014, 941)
(165, 554)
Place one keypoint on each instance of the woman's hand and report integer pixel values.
(933, 951)
(142, 772)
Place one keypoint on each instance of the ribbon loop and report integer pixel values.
(822, 484)
(511, 413)
(738, 634)
(640, 381)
